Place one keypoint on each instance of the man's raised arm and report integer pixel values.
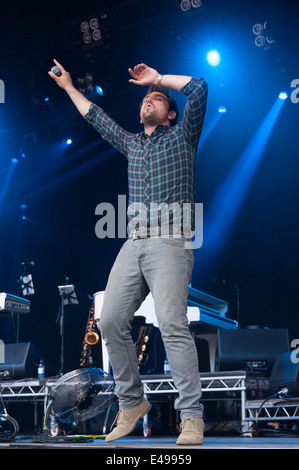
(147, 76)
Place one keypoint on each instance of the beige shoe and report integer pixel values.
(191, 431)
(127, 420)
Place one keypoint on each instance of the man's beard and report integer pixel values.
(149, 119)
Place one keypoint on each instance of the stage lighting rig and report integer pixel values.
(85, 83)
(263, 38)
(91, 32)
(186, 4)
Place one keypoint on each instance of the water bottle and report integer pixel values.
(41, 370)
(166, 366)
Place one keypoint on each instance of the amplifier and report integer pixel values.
(20, 360)
(285, 373)
(250, 349)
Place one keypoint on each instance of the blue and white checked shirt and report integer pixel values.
(161, 167)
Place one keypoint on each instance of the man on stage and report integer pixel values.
(158, 255)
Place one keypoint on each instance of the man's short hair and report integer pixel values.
(171, 101)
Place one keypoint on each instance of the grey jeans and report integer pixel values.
(162, 266)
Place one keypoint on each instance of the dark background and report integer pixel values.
(62, 185)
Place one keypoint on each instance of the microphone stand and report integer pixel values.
(25, 288)
(68, 296)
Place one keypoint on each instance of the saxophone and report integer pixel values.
(91, 338)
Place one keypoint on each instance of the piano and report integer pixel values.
(206, 314)
(13, 304)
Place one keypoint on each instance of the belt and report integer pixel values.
(164, 230)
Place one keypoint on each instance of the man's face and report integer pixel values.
(155, 109)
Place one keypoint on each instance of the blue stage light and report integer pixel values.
(222, 109)
(283, 95)
(228, 200)
(14, 161)
(99, 90)
(213, 58)
(69, 141)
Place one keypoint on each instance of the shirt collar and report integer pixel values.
(160, 129)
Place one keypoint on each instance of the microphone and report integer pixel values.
(56, 70)
(283, 391)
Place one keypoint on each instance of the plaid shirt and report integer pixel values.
(161, 167)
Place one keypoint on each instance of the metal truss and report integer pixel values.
(278, 410)
(215, 386)
(210, 383)
(36, 391)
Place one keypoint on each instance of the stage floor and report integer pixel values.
(151, 445)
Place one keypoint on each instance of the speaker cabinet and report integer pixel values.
(20, 360)
(250, 349)
(285, 373)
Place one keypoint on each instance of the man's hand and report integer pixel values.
(64, 81)
(143, 75)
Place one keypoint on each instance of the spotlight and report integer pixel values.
(257, 29)
(84, 27)
(94, 23)
(222, 109)
(89, 88)
(185, 5)
(213, 58)
(69, 141)
(88, 77)
(14, 161)
(97, 35)
(87, 38)
(99, 90)
(196, 3)
(283, 95)
(260, 41)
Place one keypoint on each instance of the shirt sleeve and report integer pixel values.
(109, 130)
(197, 92)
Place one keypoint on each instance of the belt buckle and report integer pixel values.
(134, 234)
(142, 232)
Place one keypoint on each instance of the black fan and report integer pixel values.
(77, 396)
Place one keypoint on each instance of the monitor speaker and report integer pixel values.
(250, 349)
(20, 360)
(285, 373)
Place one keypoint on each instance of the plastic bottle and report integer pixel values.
(166, 366)
(41, 370)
